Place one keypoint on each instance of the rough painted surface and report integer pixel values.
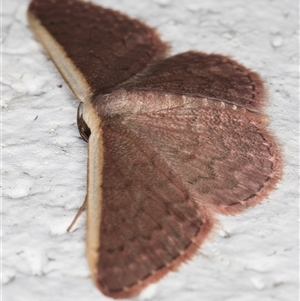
(251, 256)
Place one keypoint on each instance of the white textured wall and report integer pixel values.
(253, 256)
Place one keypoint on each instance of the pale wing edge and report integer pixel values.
(66, 67)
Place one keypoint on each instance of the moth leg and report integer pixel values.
(83, 128)
(81, 209)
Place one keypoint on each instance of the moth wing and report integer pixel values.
(159, 165)
(142, 219)
(94, 48)
(207, 75)
(222, 152)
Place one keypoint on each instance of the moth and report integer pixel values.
(172, 141)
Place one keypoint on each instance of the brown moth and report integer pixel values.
(172, 141)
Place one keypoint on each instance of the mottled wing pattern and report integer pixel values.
(169, 161)
(191, 116)
(150, 221)
(222, 152)
(202, 74)
(93, 47)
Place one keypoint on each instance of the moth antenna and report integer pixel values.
(81, 209)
